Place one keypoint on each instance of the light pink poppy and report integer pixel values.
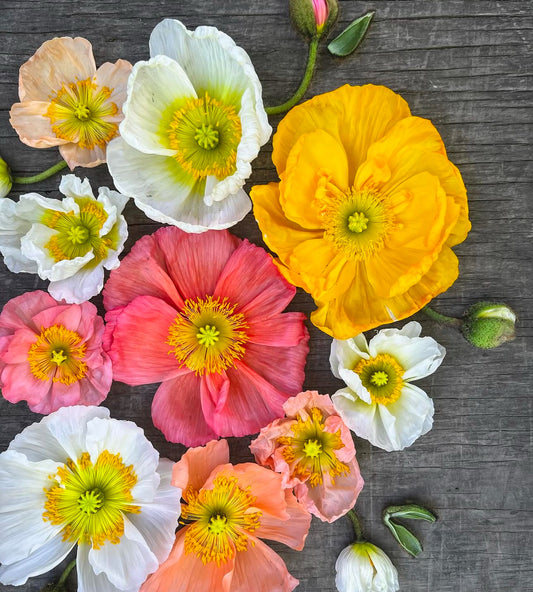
(67, 102)
(313, 450)
(228, 509)
(51, 353)
(203, 314)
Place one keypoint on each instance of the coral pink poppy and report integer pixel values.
(202, 314)
(67, 102)
(228, 510)
(313, 450)
(51, 353)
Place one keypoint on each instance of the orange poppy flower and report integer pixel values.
(367, 208)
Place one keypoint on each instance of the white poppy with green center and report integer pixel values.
(69, 241)
(380, 403)
(194, 122)
(80, 478)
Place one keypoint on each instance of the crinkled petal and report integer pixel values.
(88, 581)
(195, 466)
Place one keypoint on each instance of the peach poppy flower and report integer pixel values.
(67, 102)
(228, 510)
(313, 450)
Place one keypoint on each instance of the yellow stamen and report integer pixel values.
(310, 451)
(81, 112)
(208, 336)
(89, 500)
(58, 355)
(222, 518)
(382, 377)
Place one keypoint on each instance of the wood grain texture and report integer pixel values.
(466, 66)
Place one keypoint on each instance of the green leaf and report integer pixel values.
(405, 537)
(351, 37)
(410, 511)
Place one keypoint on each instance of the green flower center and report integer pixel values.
(91, 501)
(77, 235)
(382, 378)
(357, 222)
(205, 134)
(312, 448)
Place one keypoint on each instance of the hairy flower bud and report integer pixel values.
(6, 181)
(489, 324)
(313, 18)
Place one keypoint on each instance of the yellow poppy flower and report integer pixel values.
(366, 210)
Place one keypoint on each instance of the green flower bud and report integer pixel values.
(313, 18)
(489, 324)
(6, 181)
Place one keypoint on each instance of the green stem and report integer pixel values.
(357, 528)
(41, 176)
(440, 318)
(66, 573)
(310, 68)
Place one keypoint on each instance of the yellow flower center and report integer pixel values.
(310, 451)
(89, 500)
(58, 355)
(357, 222)
(222, 518)
(76, 235)
(205, 134)
(207, 336)
(80, 112)
(382, 378)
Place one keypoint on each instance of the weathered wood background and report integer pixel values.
(466, 66)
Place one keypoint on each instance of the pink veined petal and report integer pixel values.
(17, 346)
(196, 464)
(185, 572)
(136, 338)
(177, 411)
(252, 281)
(281, 366)
(215, 388)
(58, 61)
(18, 384)
(262, 566)
(252, 402)
(142, 272)
(19, 311)
(292, 532)
(281, 330)
(69, 316)
(195, 261)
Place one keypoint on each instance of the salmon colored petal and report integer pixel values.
(314, 154)
(33, 127)
(294, 531)
(177, 411)
(284, 330)
(197, 464)
(251, 403)
(340, 113)
(280, 234)
(141, 357)
(185, 572)
(115, 77)
(262, 566)
(281, 366)
(143, 272)
(195, 261)
(57, 62)
(75, 155)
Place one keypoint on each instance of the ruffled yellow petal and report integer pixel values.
(356, 116)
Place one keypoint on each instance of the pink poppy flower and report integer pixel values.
(67, 102)
(229, 509)
(202, 314)
(51, 353)
(313, 450)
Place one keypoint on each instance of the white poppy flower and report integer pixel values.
(363, 567)
(379, 402)
(79, 477)
(194, 121)
(69, 241)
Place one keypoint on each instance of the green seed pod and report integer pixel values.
(489, 324)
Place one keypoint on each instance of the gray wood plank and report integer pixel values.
(466, 66)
